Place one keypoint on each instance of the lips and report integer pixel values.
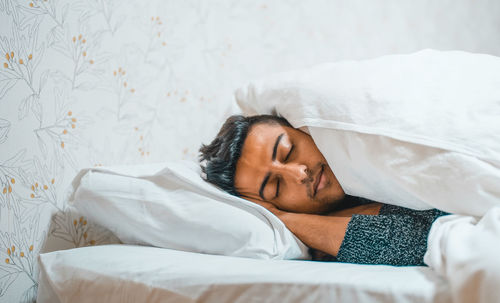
(318, 179)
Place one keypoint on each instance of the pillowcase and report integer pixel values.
(419, 130)
(169, 205)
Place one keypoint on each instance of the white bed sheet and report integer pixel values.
(127, 273)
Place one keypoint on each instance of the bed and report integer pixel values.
(131, 273)
(390, 143)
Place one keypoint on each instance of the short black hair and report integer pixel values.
(222, 154)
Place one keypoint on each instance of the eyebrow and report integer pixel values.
(275, 148)
(266, 178)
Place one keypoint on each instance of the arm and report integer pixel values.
(398, 236)
(323, 233)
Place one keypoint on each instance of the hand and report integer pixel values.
(270, 207)
(323, 233)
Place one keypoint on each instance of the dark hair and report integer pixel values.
(222, 154)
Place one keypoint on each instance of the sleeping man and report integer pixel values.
(265, 160)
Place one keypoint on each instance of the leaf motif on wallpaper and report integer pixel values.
(40, 9)
(75, 229)
(43, 79)
(36, 107)
(15, 160)
(125, 91)
(55, 35)
(106, 10)
(64, 14)
(6, 84)
(33, 233)
(155, 30)
(28, 15)
(4, 130)
(22, 57)
(15, 167)
(28, 209)
(143, 131)
(24, 42)
(8, 6)
(62, 103)
(59, 138)
(32, 103)
(24, 107)
(6, 279)
(16, 205)
(42, 145)
(58, 146)
(20, 248)
(29, 295)
(155, 57)
(68, 225)
(82, 49)
(44, 181)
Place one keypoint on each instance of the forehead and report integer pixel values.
(256, 154)
(261, 136)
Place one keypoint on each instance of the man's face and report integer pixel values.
(283, 166)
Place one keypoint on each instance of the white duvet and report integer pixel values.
(419, 130)
(125, 273)
(466, 251)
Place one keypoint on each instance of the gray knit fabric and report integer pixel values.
(397, 236)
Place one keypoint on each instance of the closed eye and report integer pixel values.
(277, 188)
(278, 182)
(289, 153)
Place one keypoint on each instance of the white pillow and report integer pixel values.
(419, 130)
(169, 205)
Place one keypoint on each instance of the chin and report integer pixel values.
(332, 201)
(320, 208)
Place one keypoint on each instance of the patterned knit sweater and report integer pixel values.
(396, 236)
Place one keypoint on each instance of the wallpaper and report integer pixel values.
(104, 82)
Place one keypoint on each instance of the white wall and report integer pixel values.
(182, 61)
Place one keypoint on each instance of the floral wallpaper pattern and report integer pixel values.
(105, 82)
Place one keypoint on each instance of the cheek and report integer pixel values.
(294, 198)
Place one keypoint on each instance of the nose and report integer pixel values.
(297, 173)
